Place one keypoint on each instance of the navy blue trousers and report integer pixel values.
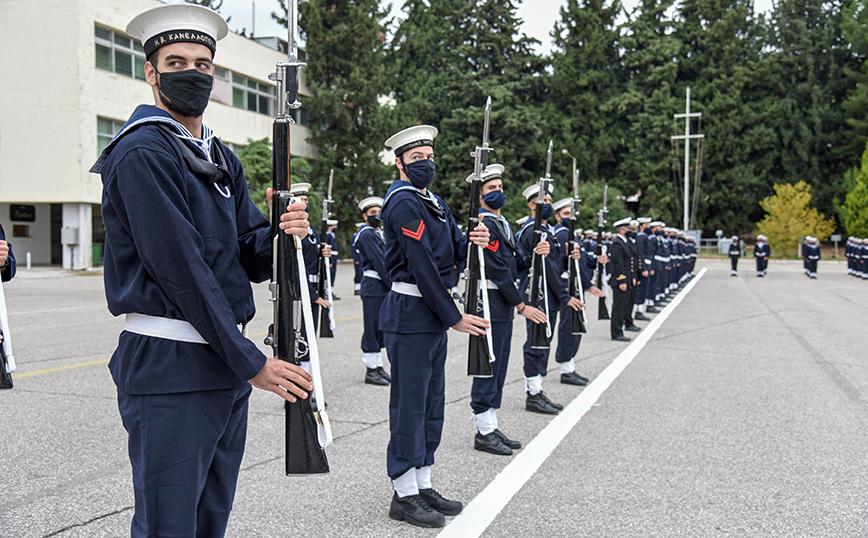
(487, 392)
(568, 343)
(417, 399)
(642, 289)
(372, 337)
(185, 450)
(536, 360)
(652, 285)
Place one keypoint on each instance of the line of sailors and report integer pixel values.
(761, 253)
(856, 252)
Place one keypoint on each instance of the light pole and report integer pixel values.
(570, 155)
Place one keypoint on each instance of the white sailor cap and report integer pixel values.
(359, 224)
(623, 222)
(332, 222)
(590, 232)
(657, 223)
(734, 237)
(560, 204)
(761, 237)
(299, 189)
(411, 137)
(644, 220)
(533, 191)
(178, 23)
(492, 171)
(369, 202)
(521, 221)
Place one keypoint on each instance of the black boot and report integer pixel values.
(373, 377)
(573, 378)
(557, 406)
(414, 510)
(511, 443)
(651, 310)
(491, 443)
(537, 404)
(440, 504)
(640, 316)
(383, 374)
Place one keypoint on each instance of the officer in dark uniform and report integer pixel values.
(423, 245)
(762, 252)
(8, 266)
(332, 240)
(811, 255)
(734, 254)
(645, 246)
(180, 253)
(502, 269)
(310, 249)
(371, 246)
(357, 265)
(623, 279)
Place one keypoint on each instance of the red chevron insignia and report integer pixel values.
(420, 227)
(493, 246)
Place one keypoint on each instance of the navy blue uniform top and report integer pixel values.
(177, 248)
(811, 252)
(734, 249)
(762, 250)
(590, 247)
(562, 234)
(9, 271)
(502, 265)
(333, 241)
(423, 245)
(554, 262)
(310, 249)
(357, 264)
(371, 245)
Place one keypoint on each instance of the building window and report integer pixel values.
(106, 129)
(301, 116)
(252, 95)
(118, 53)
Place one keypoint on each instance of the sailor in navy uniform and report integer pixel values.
(423, 245)
(762, 252)
(357, 265)
(623, 279)
(310, 250)
(370, 243)
(502, 269)
(332, 240)
(568, 343)
(181, 250)
(7, 258)
(657, 265)
(811, 254)
(555, 297)
(645, 250)
(590, 246)
(734, 254)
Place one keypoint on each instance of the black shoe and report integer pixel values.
(511, 443)
(620, 338)
(632, 328)
(651, 310)
(573, 378)
(383, 374)
(335, 297)
(557, 406)
(492, 444)
(641, 317)
(438, 503)
(373, 377)
(414, 510)
(357, 292)
(537, 404)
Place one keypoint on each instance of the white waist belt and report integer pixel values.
(372, 274)
(170, 329)
(405, 288)
(313, 279)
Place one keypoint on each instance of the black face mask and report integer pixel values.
(185, 92)
(374, 221)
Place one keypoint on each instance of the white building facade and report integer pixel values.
(71, 78)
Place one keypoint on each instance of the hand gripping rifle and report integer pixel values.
(603, 311)
(540, 335)
(326, 315)
(7, 361)
(481, 351)
(307, 433)
(578, 321)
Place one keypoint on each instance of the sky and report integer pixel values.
(539, 16)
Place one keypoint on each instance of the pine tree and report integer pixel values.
(345, 73)
(854, 28)
(854, 210)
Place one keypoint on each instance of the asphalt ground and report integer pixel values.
(743, 415)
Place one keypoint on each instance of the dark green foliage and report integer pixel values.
(256, 157)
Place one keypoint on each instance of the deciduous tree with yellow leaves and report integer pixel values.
(788, 218)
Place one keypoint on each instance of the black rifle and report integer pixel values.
(480, 355)
(324, 287)
(539, 332)
(603, 311)
(304, 455)
(577, 322)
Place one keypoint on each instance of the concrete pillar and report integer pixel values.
(76, 236)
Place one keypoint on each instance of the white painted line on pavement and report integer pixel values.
(482, 510)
